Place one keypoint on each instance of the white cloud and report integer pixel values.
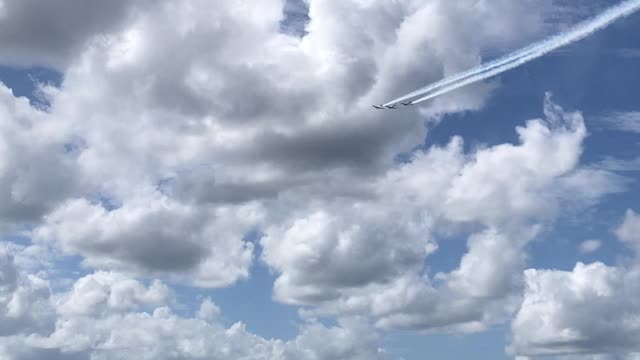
(208, 311)
(589, 246)
(24, 299)
(592, 309)
(623, 121)
(364, 258)
(187, 154)
(183, 126)
(36, 173)
(103, 293)
(110, 316)
(620, 165)
(629, 230)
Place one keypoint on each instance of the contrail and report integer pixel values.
(525, 55)
(461, 76)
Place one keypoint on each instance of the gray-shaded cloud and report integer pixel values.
(51, 33)
(36, 173)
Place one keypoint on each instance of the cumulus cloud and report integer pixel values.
(156, 234)
(104, 292)
(154, 165)
(36, 172)
(110, 316)
(24, 299)
(164, 335)
(163, 164)
(592, 310)
(362, 257)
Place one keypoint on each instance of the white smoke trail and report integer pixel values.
(525, 55)
(461, 76)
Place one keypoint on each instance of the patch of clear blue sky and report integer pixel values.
(296, 17)
(248, 301)
(24, 81)
(591, 76)
(414, 346)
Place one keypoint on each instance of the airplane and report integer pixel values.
(383, 107)
(407, 104)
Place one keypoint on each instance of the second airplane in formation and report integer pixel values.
(390, 107)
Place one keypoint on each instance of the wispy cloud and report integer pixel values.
(589, 246)
(619, 165)
(623, 121)
(629, 52)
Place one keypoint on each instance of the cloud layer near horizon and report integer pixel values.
(187, 134)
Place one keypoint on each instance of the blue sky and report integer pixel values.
(597, 77)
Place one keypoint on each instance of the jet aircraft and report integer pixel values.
(383, 107)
